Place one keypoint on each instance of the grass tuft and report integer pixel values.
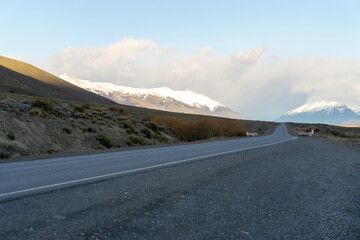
(153, 126)
(11, 136)
(52, 151)
(79, 109)
(44, 105)
(136, 140)
(128, 125)
(36, 112)
(147, 133)
(106, 142)
(67, 130)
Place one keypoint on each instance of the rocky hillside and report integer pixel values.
(38, 126)
(34, 126)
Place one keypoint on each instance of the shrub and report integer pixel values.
(89, 116)
(116, 109)
(91, 130)
(201, 128)
(67, 130)
(79, 109)
(11, 136)
(128, 125)
(136, 140)
(44, 105)
(147, 133)
(161, 139)
(36, 112)
(52, 151)
(4, 155)
(106, 142)
(122, 119)
(86, 105)
(153, 126)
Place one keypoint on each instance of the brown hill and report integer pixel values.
(22, 78)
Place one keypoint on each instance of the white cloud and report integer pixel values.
(249, 56)
(112, 62)
(262, 89)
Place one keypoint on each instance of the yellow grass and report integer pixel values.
(349, 126)
(30, 70)
(201, 128)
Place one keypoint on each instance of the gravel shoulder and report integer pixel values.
(302, 189)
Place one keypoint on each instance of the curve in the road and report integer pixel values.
(26, 178)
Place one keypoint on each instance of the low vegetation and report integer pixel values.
(79, 109)
(52, 151)
(11, 136)
(147, 132)
(153, 126)
(4, 155)
(201, 128)
(67, 130)
(45, 105)
(105, 141)
(35, 112)
(40, 125)
(128, 125)
(135, 141)
(348, 135)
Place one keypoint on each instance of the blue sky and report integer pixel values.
(287, 28)
(277, 38)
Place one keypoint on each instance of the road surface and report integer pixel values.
(25, 178)
(302, 189)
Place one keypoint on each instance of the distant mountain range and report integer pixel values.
(156, 98)
(323, 111)
(22, 78)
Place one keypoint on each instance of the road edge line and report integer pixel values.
(110, 175)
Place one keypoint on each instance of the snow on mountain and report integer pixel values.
(323, 111)
(356, 110)
(315, 106)
(156, 98)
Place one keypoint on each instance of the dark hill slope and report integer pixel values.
(22, 78)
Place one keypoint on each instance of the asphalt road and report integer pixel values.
(24, 178)
(302, 189)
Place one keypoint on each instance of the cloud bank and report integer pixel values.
(249, 56)
(257, 87)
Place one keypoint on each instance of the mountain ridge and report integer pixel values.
(23, 78)
(321, 111)
(156, 98)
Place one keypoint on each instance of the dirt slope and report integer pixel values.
(22, 78)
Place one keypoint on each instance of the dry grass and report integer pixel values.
(349, 126)
(124, 125)
(341, 134)
(28, 70)
(201, 128)
(22, 78)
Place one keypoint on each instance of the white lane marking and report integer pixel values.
(51, 162)
(138, 169)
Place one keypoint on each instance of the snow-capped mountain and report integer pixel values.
(322, 111)
(356, 110)
(156, 98)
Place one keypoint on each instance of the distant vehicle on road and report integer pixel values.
(307, 134)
